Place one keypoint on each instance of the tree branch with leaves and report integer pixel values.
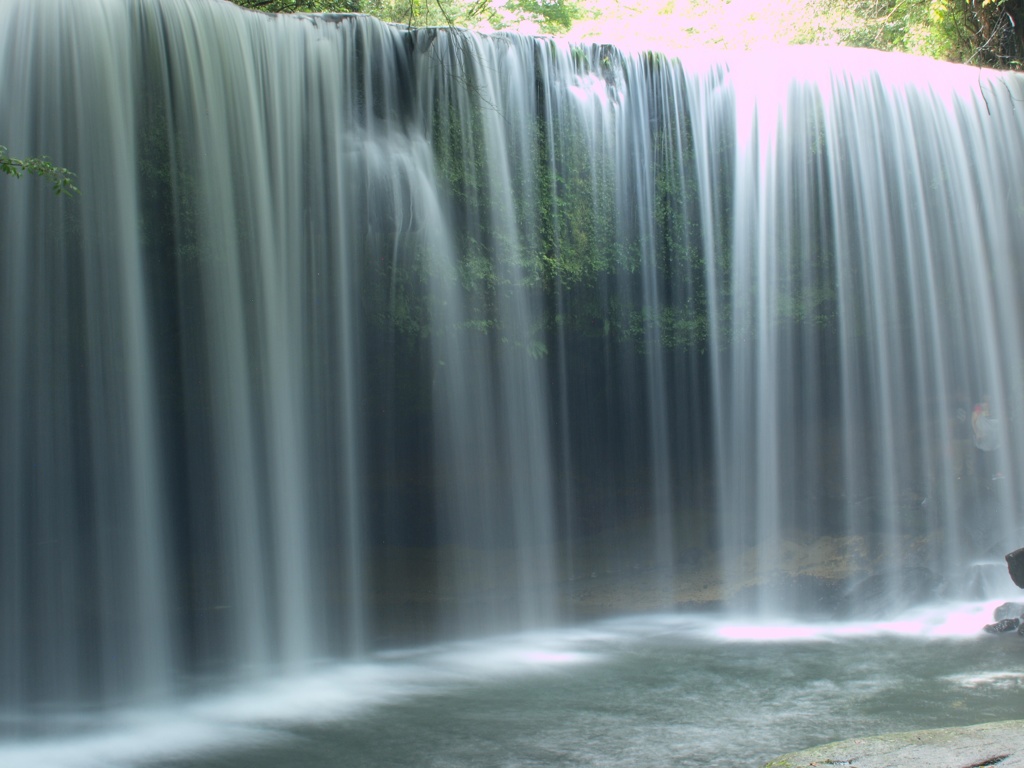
(62, 180)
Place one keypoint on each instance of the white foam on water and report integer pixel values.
(260, 713)
(948, 620)
(1006, 680)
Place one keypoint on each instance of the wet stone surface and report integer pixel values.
(990, 744)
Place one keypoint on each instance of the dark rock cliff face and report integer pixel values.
(1015, 564)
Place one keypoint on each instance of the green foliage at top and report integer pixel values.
(549, 15)
(984, 32)
(300, 6)
(62, 180)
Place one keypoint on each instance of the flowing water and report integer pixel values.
(655, 691)
(361, 338)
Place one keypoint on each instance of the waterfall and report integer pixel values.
(360, 336)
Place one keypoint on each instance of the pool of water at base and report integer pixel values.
(674, 690)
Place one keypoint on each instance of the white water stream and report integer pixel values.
(361, 338)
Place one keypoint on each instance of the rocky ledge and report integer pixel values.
(977, 746)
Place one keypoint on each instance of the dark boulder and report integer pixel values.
(1006, 625)
(1008, 611)
(1015, 562)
